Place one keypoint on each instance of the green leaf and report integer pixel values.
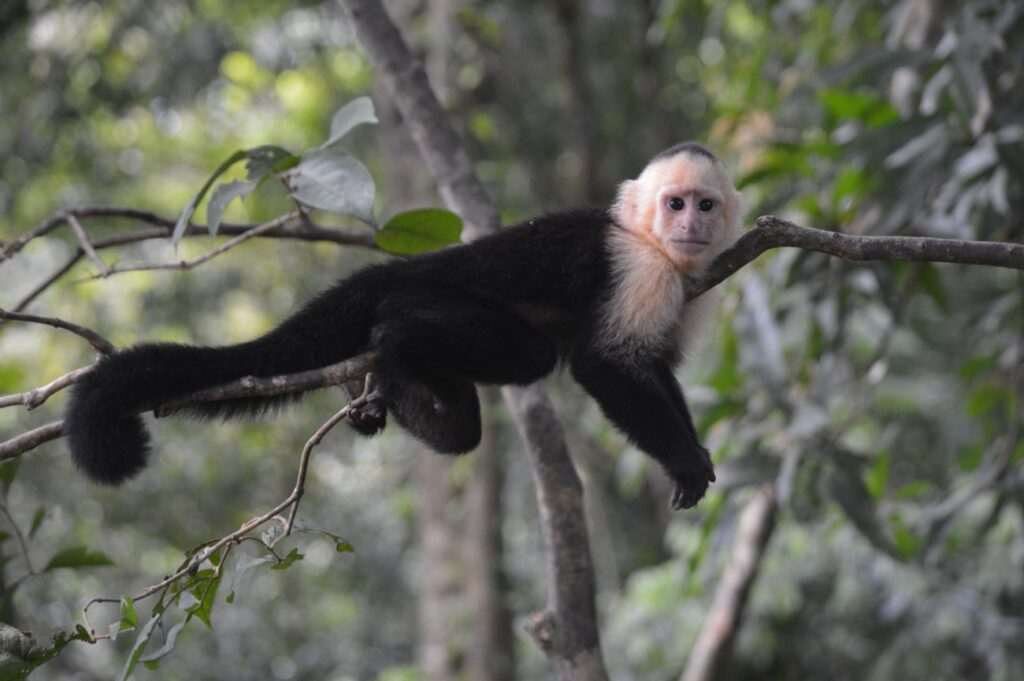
(877, 477)
(985, 398)
(344, 547)
(186, 214)
(287, 561)
(418, 231)
(267, 159)
(140, 645)
(330, 179)
(8, 471)
(209, 596)
(971, 457)
(129, 618)
(230, 597)
(20, 654)
(76, 557)
(931, 282)
(356, 112)
(907, 543)
(37, 521)
(914, 489)
(223, 195)
(976, 366)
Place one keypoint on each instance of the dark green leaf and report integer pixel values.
(931, 282)
(287, 561)
(267, 159)
(8, 471)
(78, 556)
(208, 597)
(37, 521)
(418, 231)
(344, 547)
(976, 366)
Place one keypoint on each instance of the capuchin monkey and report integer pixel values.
(600, 289)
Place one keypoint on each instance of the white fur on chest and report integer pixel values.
(647, 305)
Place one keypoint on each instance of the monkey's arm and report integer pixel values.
(645, 402)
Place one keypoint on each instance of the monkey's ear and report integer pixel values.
(735, 210)
(627, 204)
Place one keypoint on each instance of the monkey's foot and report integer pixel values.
(368, 415)
(692, 480)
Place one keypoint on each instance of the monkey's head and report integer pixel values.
(685, 204)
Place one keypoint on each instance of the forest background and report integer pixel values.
(865, 416)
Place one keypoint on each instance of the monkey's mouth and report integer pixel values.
(691, 245)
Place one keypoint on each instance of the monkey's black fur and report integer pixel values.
(501, 310)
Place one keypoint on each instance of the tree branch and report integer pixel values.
(98, 342)
(723, 620)
(773, 232)
(352, 369)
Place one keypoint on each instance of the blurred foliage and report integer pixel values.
(884, 400)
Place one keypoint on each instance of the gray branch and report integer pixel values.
(714, 642)
(250, 386)
(772, 232)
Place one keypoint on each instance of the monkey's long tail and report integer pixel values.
(105, 431)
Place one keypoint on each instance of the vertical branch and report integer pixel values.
(491, 652)
(571, 620)
(436, 540)
(714, 642)
(567, 631)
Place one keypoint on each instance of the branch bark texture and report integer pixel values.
(773, 232)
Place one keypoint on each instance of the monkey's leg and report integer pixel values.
(442, 412)
(432, 349)
(638, 400)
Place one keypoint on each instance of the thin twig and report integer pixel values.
(26, 442)
(209, 255)
(45, 227)
(239, 535)
(98, 342)
(48, 282)
(21, 537)
(31, 399)
(85, 244)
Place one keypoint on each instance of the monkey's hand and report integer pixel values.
(368, 416)
(691, 480)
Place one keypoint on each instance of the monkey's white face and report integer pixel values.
(688, 219)
(686, 205)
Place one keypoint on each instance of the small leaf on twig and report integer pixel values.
(417, 231)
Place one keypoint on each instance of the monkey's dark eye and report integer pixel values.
(706, 205)
(676, 204)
